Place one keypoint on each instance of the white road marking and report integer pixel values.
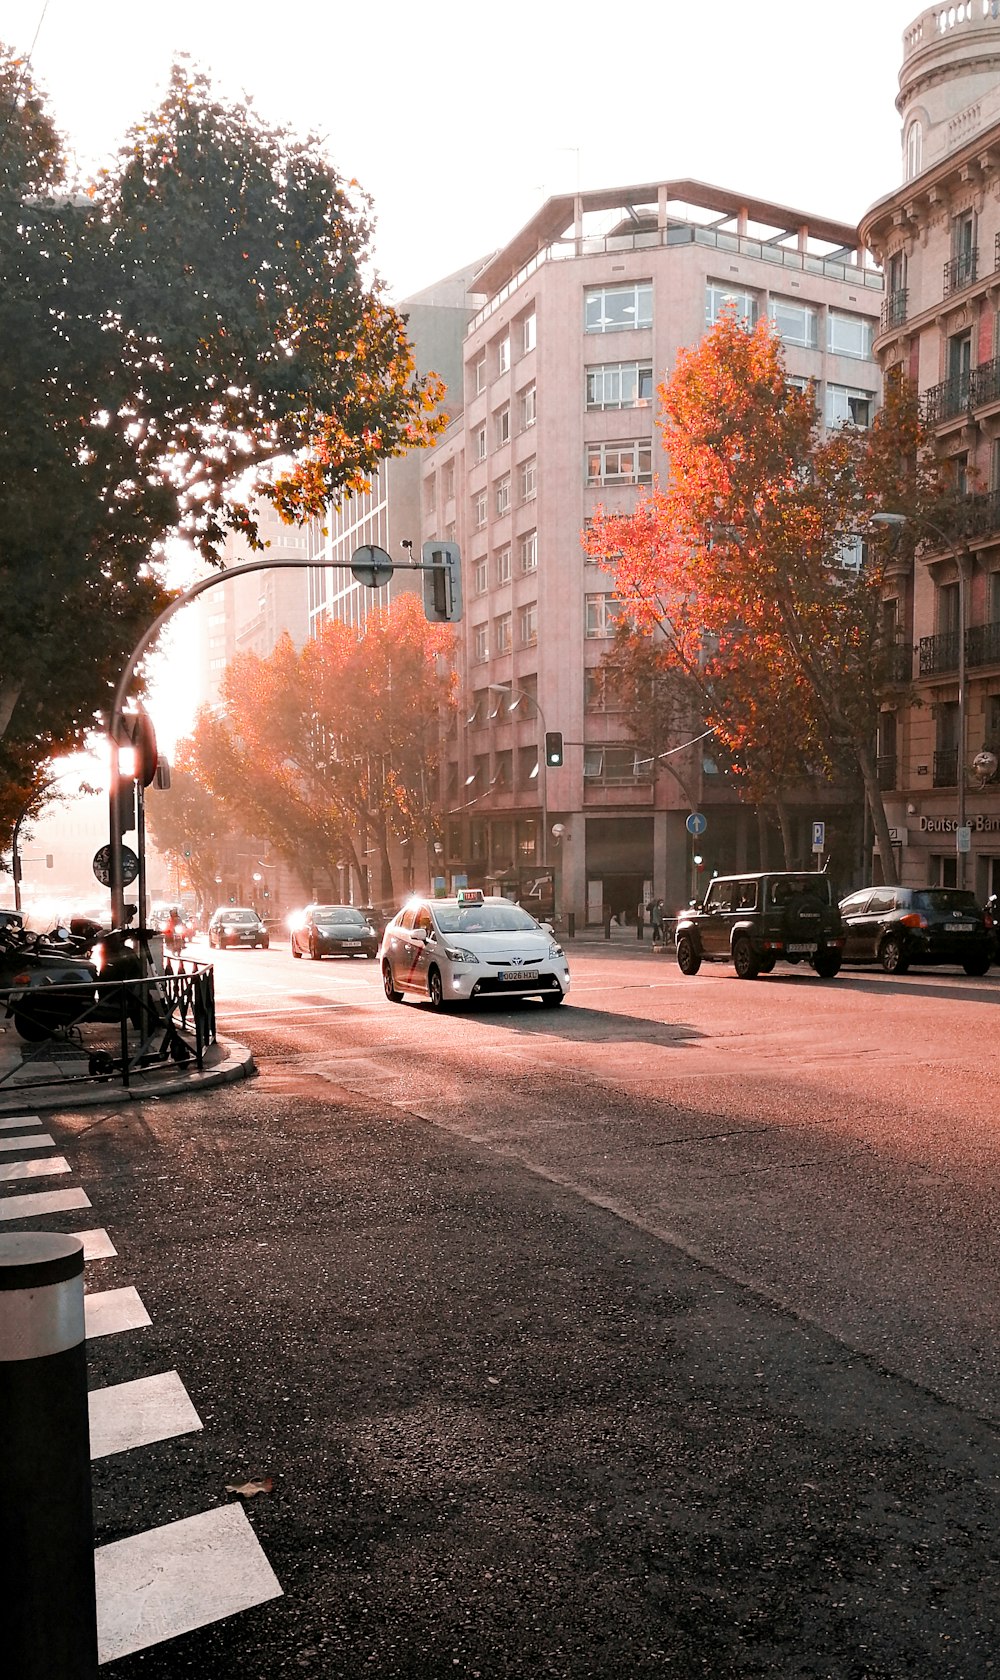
(110, 1310)
(10, 1122)
(45, 1201)
(133, 1414)
(38, 1140)
(174, 1579)
(97, 1245)
(11, 1170)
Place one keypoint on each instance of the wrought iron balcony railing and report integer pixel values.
(900, 663)
(950, 398)
(894, 310)
(982, 644)
(960, 271)
(946, 767)
(938, 654)
(984, 384)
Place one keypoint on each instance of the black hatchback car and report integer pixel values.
(897, 926)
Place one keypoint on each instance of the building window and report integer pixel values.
(527, 551)
(601, 613)
(527, 769)
(503, 495)
(617, 764)
(600, 693)
(620, 463)
(502, 633)
(480, 643)
(503, 771)
(481, 577)
(527, 407)
(503, 565)
(448, 481)
(719, 296)
(795, 323)
(914, 150)
(529, 479)
(479, 510)
(848, 407)
(528, 338)
(527, 625)
(479, 375)
(618, 308)
(849, 335)
(479, 444)
(620, 385)
(501, 426)
(503, 355)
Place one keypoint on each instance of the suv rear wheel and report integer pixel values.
(827, 965)
(688, 959)
(744, 961)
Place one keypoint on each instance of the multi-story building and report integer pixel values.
(584, 312)
(937, 237)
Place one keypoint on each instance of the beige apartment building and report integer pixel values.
(937, 237)
(584, 311)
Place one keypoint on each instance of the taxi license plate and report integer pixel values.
(518, 974)
(959, 927)
(805, 949)
(352, 944)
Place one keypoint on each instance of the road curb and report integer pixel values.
(225, 1064)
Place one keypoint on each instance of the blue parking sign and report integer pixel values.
(819, 836)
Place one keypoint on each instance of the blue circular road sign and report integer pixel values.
(696, 823)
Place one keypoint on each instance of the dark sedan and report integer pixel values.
(333, 930)
(897, 926)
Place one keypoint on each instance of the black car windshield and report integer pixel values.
(946, 899)
(494, 917)
(331, 913)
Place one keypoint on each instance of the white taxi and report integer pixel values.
(453, 949)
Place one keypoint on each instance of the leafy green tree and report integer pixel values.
(190, 336)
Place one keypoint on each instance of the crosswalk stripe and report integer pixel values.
(133, 1414)
(38, 1140)
(173, 1579)
(97, 1245)
(11, 1170)
(108, 1311)
(43, 1202)
(11, 1122)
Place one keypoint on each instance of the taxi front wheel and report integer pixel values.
(390, 990)
(435, 990)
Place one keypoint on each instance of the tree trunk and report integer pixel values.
(787, 837)
(880, 822)
(763, 838)
(10, 694)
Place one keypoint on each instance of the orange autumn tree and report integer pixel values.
(757, 569)
(333, 752)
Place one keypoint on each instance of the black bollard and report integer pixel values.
(571, 925)
(46, 1513)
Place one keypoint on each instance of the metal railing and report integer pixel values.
(960, 271)
(885, 770)
(984, 384)
(111, 1030)
(900, 662)
(894, 310)
(982, 644)
(938, 654)
(948, 399)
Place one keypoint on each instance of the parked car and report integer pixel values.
(237, 925)
(451, 950)
(333, 930)
(754, 921)
(897, 926)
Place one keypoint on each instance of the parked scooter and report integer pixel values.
(80, 964)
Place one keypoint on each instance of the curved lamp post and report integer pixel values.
(897, 521)
(522, 694)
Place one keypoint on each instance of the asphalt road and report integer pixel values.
(653, 1335)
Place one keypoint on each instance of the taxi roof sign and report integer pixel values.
(470, 895)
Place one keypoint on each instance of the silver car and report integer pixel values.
(451, 950)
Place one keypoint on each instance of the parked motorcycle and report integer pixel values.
(80, 965)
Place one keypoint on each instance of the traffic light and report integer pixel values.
(126, 804)
(442, 582)
(553, 748)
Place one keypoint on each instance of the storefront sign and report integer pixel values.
(980, 824)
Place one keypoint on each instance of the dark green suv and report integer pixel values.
(754, 921)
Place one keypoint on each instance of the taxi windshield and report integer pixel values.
(493, 916)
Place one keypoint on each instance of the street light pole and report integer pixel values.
(522, 694)
(898, 520)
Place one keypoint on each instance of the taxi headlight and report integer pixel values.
(556, 950)
(458, 953)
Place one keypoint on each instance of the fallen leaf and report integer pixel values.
(246, 1490)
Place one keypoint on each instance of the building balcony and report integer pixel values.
(947, 400)
(893, 310)
(885, 770)
(984, 384)
(938, 654)
(946, 767)
(960, 272)
(900, 663)
(982, 644)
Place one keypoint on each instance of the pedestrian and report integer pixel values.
(656, 920)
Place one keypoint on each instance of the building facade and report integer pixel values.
(937, 238)
(583, 314)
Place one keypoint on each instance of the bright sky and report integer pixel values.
(460, 120)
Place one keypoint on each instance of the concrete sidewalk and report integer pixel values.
(52, 1075)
